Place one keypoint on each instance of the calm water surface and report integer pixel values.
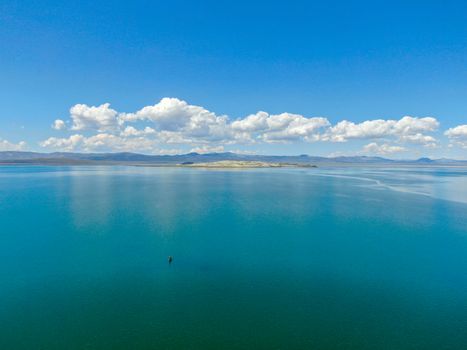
(347, 258)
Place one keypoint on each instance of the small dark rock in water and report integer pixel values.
(170, 259)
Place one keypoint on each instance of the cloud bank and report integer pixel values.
(172, 124)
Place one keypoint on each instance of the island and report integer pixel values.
(243, 164)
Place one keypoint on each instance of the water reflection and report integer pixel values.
(437, 182)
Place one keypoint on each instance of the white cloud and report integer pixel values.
(105, 142)
(412, 125)
(174, 115)
(179, 122)
(383, 149)
(102, 141)
(407, 129)
(169, 113)
(131, 131)
(208, 149)
(458, 135)
(252, 123)
(345, 130)
(6, 145)
(285, 127)
(65, 144)
(459, 131)
(419, 138)
(100, 118)
(174, 121)
(58, 124)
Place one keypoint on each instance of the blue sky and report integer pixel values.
(334, 77)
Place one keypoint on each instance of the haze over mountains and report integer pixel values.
(65, 158)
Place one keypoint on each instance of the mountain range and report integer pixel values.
(68, 158)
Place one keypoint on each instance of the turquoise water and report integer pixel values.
(347, 258)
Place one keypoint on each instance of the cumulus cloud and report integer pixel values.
(66, 144)
(284, 127)
(58, 124)
(106, 142)
(170, 114)
(407, 129)
(131, 131)
(100, 118)
(252, 123)
(383, 149)
(174, 121)
(458, 135)
(174, 115)
(208, 149)
(6, 145)
(419, 138)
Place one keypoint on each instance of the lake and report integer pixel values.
(326, 258)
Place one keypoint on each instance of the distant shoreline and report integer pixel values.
(217, 166)
(213, 160)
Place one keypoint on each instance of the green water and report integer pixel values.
(263, 259)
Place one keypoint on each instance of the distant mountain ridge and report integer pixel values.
(18, 157)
